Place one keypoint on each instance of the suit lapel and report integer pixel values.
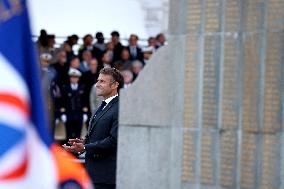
(97, 117)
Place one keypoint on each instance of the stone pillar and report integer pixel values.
(207, 112)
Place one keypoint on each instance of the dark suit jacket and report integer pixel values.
(101, 144)
(74, 101)
(139, 55)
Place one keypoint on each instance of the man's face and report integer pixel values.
(106, 86)
(110, 46)
(74, 79)
(133, 41)
(114, 39)
(100, 39)
(152, 42)
(44, 63)
(125, 54)
(93, 65)
(87, 56)
(62, 56)
(75, 63)
(89, 40)
(162, 39)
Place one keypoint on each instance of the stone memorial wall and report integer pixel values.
(219, 90)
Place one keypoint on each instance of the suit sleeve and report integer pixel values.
(108, 144)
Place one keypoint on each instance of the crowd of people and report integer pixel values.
(68, 76)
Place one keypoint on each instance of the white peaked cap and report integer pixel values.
(74, 72)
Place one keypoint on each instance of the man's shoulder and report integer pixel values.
(115, 99)
(114, 103)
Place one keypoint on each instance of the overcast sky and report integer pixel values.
(65, 17)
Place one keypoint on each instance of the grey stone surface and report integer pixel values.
(155, 97)
(150, 137)
(146, 166)
(178, 17)
(148, 157)
(207, 112)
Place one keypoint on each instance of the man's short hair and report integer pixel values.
(114, 33)
(86, 36)
(74, 36)
(116, 75)
(134, 35)
(99, 35)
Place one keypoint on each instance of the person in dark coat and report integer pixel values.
(88, 79)
(124, 63)
(61, 68)
(74, 107)
(117, 45)
(87, 45)
(134, 51)
(100, 144)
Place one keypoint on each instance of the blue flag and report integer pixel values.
(28, 157)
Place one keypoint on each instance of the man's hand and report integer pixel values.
(75, 148)
(76, 140)
(67, 148)
(78, 147)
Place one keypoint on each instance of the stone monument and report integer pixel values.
(208, 111)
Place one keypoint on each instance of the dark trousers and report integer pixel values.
(73, 128)
(104, 186)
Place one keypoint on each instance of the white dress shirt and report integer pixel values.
(109, 99)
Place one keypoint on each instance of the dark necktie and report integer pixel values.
(96, 113)
(100, 108)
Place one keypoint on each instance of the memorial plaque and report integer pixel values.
(190, 113)
(210, 83)
(254, 11)
(273, 82)
(212, 18)
(275, 15)
(194, 16)
(249, 161)
(251, 83)
(228, 156)
(191, 90)
(189, 156)
(208, 158)
(225, 130)
(230, 100)
(233, 15)
(270, 169)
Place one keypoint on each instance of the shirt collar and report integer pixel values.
(110, 98)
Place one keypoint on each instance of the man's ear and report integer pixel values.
(116, 84)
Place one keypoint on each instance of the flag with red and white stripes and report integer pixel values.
(28, 157)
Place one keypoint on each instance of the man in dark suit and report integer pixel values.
(117, 45)
(100, 144)
(134, 51)
(74, 106)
